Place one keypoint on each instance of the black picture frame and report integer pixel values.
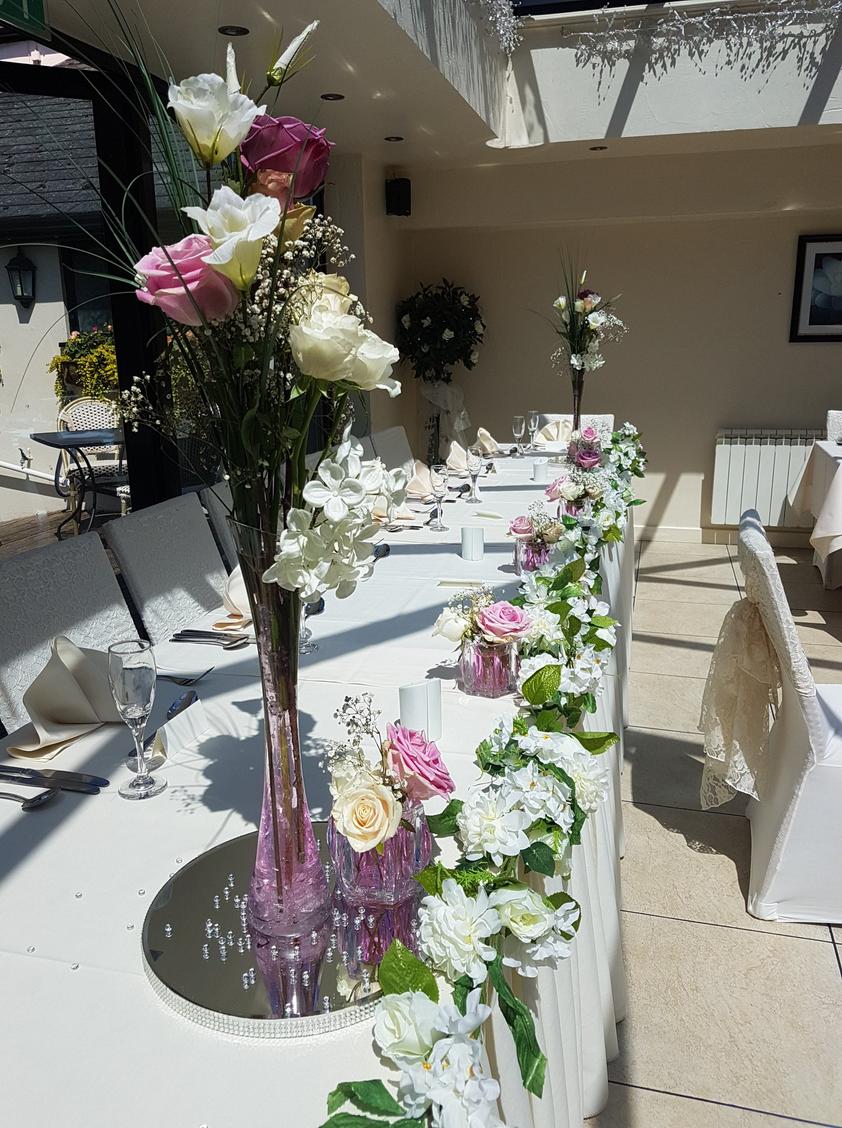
(807, 322)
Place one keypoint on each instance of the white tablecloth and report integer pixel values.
(77, 877)
(818, 490)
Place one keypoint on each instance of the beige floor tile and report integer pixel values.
(799, 572)
(717, 572)
(825, 662)
(680, 551)
(694, 591)
(702, 860)
(682, 655)
(654, 616)
(793, 555)
(662, 701)
(813, 597)
(731, 1015)
(629, 1107)
(664, 767)
(815, 628)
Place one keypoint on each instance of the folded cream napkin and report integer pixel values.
(235, 600)
(457, 460)
(558, 431)
(486, 442)
(69, 698)
(380, 512)
(420, 484)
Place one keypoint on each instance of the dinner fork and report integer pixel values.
(177, 679)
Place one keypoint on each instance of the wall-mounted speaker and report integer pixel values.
(399, 196)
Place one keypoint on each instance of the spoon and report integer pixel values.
(235, 643)
(33, 801)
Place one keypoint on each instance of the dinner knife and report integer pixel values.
(28, 777)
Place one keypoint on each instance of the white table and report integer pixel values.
(77, 877)
(818, 490)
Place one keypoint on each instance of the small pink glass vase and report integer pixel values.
(529, 556)
(569, 508)
(488, 669)
(387, 879)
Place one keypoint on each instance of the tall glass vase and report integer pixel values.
(288, 895)
(577, 379)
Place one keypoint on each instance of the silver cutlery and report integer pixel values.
(191, 632)
(184, 679)
(182, 702)
(33, 801)
(63, 781)
(237, 642)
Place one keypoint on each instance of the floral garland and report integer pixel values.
(503, 904)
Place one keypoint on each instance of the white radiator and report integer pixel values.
(754, 469)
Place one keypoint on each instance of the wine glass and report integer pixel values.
(518, 427)
(306, 645)
(475, 463)
(132, 674)
(532, 420)
(438, 478)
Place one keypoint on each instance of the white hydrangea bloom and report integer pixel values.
(542, 796)
(491, 823)
(453, 930)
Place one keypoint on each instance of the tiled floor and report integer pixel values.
(732, 1021)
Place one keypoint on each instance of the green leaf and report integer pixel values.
(401, 970)
(638, 500)
(432, 877)
(444, 825)
(596, 742)
(532, 1062)
(559, 899)
(368, 1096)
(539, 857)
(461, 989)
(355, 1120)
(603, 621)
(542, 685)
(549, 720)
(588, 702)
(472, 875)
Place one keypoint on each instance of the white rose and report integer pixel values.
(404, 1026)
(237, 228)
(579, 305)
(331, 345)
(451, 624)
(523, 911)
(366, 813)
(213, 118)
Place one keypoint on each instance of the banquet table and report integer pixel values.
(76, 878)
(818, 490)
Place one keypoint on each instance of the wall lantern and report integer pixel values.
(22, 278)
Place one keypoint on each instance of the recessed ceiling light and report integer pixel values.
(232, 30)
(598, 148)
(333, 97)
(393, 137)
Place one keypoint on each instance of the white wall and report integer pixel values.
(706, 292)
(28, 340)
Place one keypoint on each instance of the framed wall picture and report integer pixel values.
(817, 300)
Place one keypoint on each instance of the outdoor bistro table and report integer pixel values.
(72, 443)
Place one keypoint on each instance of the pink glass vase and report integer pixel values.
(529, 556)
(370, 878)
(488, 669)
(288, 894)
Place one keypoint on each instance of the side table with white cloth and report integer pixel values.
(77, 879)
(818, 490)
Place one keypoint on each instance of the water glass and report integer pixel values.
(518, 428)
(532, 420)
(438, 477)
(475, 464)
(132, 674)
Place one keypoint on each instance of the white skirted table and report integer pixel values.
(77, 877)
(818, 490)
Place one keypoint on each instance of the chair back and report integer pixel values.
(392, 448)
(764, 588)
(367, 445)
(218, 503)
(88, 414)
(171, 565)
(834, 426)
(602, 424)
(67, 588)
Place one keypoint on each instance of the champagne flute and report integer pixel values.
(475, 463)
(306, 645)
(132, 674)
(532, 419)
(518, 427)
(438, 478)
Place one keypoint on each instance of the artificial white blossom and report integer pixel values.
(213, 118)
(283, 66)
(453, 931)
(405, 1026)
(237, 228)
(490, 822)
(525, 913)
(541, 795)
(334, 491)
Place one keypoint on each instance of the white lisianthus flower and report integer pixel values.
(590, 778)
(560, 303)
(278, 71)
(525, 913)
(333, 491)
(405, 1026)
(231, 79)
(453, 930)
(597, 319)
(237, 228)
(579, 305)
(213, 118)
(450, 625)
(366, 813)
(490, 823)
(542, 796)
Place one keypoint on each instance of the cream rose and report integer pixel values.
(366, 813)
(523, 911)
(404, 1026)
(331, 344)
(451, 625)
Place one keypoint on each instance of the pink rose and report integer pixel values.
(589, 435)
(286, 144)
(182, 285)
(501, 622)
(418, 762)
(521, 527)
(588, 458)
(562, 487)
(275, 184)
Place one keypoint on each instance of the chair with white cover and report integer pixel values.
(834, 426)
(67, 588)
(218, 503)
(367, 445)
(392, 448)
(602, 424)
(795, 777)
(170, 562)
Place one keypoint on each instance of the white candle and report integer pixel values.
(473, 544)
